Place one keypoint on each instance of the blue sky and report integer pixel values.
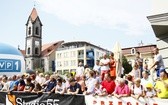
(100, 22)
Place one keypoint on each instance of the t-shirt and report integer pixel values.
(164, 91)
(137, 90)
(158, 58)
(150, 93)
(144, 82)
(75, 87)
(122, 90)
(50, 86)
(80, 71)
(96, 68)
(28, 86)
(60, 88)
(109, 86)
(91, 84)
(105, 61)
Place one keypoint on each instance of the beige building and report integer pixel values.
(71, 53)
(145, 53)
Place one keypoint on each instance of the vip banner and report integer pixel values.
(90, 100)
(40, 99)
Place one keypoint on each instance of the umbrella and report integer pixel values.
(118, 56)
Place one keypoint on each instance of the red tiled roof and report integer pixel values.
(23, 52)
(47, 49)
(141, 49)
(33, 14)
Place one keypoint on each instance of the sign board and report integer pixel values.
(10, 65)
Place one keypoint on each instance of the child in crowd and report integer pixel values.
(137, 90)
(149, 91)
(99, 90)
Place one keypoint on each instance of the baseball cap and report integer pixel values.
(149, 85)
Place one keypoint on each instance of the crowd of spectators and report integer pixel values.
(101, 80)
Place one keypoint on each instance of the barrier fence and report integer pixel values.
(21, 98)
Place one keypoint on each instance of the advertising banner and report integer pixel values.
(17, 98)
(90, 100)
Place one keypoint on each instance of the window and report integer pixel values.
(36, 50)
(37, 31)
(133, 51)
(28, 50)
(73, 62)
(65, 54)
(65, 63)
(59, 64)
(72, 54)
(29, 30)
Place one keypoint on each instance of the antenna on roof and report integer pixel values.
(34, 3)
(141, 43)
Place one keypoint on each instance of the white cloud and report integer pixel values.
(128, 16)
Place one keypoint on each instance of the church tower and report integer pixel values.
(33, 43)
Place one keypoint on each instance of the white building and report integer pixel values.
(159, 23)
(71, 53)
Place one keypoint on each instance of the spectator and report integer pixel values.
(121, 90)
(47, 80)
(81, 81)
(104, 63)
(149, 91)
(21, 85)
(136, 71)
(33, 78)
(146, 79)
(108, 84)
(37, 88)
(1, 82)
(161, 86)
(145, 68)
(5, 84)
(74, 87)
(129, 80)
(99, 90)
(80, 69)
(60, 87)
(158, 62)
(139, 62)
(98, 77)
(41, 79)
(112, 64)
(90, 83)
(13, 84)
(51, 84)
(97, 66)
(137, 89)
(29, 85)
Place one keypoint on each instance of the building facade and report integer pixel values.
(33, 43)
(38, 56)
(146, 52)
(159, 23)
(70, 54)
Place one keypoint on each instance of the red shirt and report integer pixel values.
(109, 86)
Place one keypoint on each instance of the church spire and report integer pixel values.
(33, 14)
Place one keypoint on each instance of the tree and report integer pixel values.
(127, 67)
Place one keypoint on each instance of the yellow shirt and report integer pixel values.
(164, 91)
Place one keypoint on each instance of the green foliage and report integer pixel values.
(127, 67)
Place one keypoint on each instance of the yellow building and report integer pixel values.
(145, 53)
